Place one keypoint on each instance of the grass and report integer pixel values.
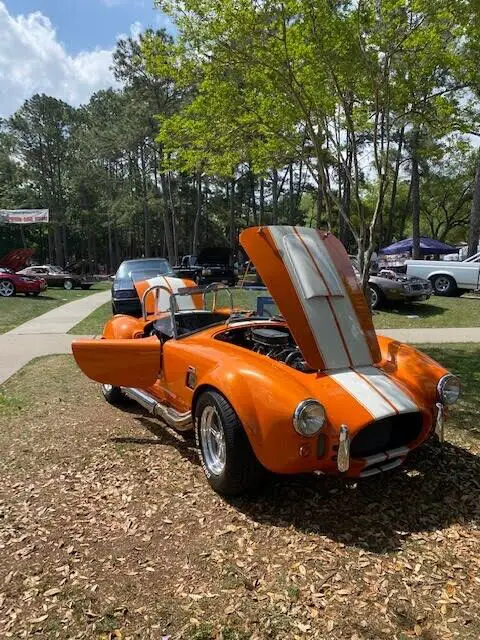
(110, 530)
(92, 325)
(18, 309)
(436, 312)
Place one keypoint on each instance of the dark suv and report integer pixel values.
(213, 264)
(124, 294)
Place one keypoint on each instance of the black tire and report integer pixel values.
(7, 289)
(113, 395)
(114, 311)
(376, 296)
(242, 472)
(68, 285)
(36, 293)
(444, 285)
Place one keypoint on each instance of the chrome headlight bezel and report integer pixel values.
(301, 414)
(442, 388)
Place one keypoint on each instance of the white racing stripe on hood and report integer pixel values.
(388, 388)
(328, 309)
(185, 303)
(312, 294)
(375, 391)
(363, 393)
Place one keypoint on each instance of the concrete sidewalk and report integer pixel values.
(433, 336)
(17, 350)
(64, 318)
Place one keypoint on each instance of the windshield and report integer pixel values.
(144, 269)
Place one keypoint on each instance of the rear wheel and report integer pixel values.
(7, 288)
(444, 285)
(225, 452)
(36, 293)
(68, 285)
(113, 395)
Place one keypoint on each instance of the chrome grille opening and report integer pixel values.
(388, 433)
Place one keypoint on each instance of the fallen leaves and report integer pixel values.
(109, 531)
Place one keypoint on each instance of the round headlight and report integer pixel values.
(309, 417)
(448, 389)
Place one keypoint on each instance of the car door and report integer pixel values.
(121, 363)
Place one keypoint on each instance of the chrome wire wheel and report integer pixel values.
(7, 288)
(212, 441)
(106, 388)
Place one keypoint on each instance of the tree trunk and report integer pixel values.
(167, 220)
(261, 215)
(231, 224)
(415, 185)
(110, 248)
(59, 257)
(274, 196)
(146, 218)
(253, 199)
(198, 213)
(474, 230)
(393, 197)
(319, 205)
(291, 193)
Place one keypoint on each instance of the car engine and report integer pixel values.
(277, 344)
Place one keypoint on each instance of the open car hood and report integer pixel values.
(17, 259)
(311, 279)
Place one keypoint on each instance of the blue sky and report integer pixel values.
(87, 24)
(64, 47)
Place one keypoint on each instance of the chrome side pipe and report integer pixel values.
(174, 419)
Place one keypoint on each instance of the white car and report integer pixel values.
(448, 278)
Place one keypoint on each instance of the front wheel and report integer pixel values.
(376, 296)
(444, 285)
(225, 452)
(7, 288)
(113, 395)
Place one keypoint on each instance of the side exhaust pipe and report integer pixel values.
(174, 419)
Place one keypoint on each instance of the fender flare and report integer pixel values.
(261, 419)
(441, 272)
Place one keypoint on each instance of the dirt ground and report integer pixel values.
(109, 530)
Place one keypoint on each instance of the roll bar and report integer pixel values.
(214, 286)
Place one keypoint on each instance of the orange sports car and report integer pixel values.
(311, 390)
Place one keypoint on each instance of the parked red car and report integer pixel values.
(12, 283)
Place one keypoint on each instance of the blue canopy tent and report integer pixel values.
(428, 246)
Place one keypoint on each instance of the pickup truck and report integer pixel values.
(213, 264)
(448, 278)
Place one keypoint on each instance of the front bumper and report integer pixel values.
(400, 295)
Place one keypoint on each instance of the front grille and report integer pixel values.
(417, 287)
(388, 433)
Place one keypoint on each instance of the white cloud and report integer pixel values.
(32, 60)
